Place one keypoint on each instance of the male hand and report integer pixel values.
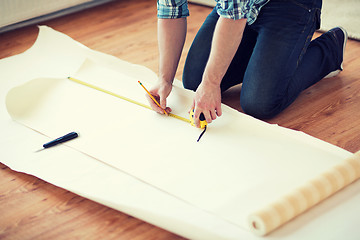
(207, 101)
(160, 92)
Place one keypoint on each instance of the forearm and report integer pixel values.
(171, 38)
(227, 37)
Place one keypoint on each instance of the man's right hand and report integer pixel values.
(160, 92)
(171, 37)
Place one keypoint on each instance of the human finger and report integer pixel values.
(218, 110)
(208, 116)
(213, 114)
(153, 105)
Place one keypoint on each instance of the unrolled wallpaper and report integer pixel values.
(250, 174)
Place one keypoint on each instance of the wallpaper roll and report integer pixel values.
(303, 198)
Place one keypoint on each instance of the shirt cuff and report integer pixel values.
(172, 9)
(232, 9)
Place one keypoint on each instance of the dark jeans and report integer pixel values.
(276, 59)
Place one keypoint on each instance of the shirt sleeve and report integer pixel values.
(238, 9)
(172, 8)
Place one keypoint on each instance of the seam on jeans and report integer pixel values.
(300, 5)
(308, 38)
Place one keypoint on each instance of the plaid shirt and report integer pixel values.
(235, 9)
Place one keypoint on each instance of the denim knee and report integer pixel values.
(259, 109)
(189, 81)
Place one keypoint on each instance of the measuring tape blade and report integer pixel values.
(123, 98)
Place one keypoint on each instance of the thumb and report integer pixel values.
(162, 102)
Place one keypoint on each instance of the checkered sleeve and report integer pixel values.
(172, 8)
(238, 9)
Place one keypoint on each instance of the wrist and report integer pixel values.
(212, 80)
(165, 82)
(165, 79)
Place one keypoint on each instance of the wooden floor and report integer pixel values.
(33, 209)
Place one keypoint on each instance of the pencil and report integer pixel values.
(153, 98)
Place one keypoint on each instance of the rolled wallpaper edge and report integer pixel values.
(303, 198)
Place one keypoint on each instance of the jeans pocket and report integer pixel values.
(309, 5)
(304, 4)
(291, 12)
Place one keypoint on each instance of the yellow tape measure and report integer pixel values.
(203, 122)
(123, 98)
